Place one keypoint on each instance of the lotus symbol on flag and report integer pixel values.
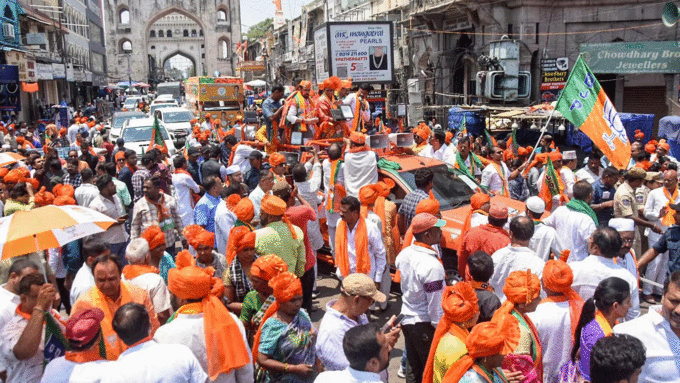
(611, 117)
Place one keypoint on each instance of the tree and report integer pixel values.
(258, 30)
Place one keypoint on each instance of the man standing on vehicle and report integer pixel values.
(361, 110)
(271, 110)
(206, 126)
(299, 111)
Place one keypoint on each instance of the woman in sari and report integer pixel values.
(237, 278)
(284, 344)
(257, 301)
(522, 289)
(610, 303)
(487, 345)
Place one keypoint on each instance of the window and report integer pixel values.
(124, 16)
(223, 49)
(193, 33)
(221, 16)
(8, 12)
(200, 33)
(185, 33)
(153, 47)
(160, 33)
(96, 34)
(169, 33)
(152, 33)
(97, 62)
(126, 46)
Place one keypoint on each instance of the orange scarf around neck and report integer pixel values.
(363, 261)
(163, 212)
(83, 356)
(505, 189)
(131, 272)
(668, 219)
(114, 346)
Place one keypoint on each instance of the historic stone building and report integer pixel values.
(148, 34)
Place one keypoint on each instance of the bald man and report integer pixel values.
(655, 210)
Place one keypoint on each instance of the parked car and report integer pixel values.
(177, 121)
(137, 136)
(118, 120)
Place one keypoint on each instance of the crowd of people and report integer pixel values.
(209, 270)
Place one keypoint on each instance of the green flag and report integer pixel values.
(515, 145)
(157, 137)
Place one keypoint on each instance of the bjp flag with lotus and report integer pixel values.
(584, 103)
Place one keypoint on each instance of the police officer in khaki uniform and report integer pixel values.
(626, 204)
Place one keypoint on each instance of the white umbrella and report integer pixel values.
(256, 83)
(46, 227)
(8, 158)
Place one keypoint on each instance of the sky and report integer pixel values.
(254, 11)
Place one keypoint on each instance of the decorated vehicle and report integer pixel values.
(221, 97)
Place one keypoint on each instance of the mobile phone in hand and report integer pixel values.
(389, 326)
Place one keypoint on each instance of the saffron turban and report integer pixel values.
(521, 151)
(154, 236)
(286, 286)
(306, 85)
(650, 148)
(240, 238)
(14, 176)
(197, 236)
(387, 184)
(276, 159)
(639, 134)
(43, 198)
(558, 277)
(268, 266)
(244, 210)
(428, 205)
(665, 146)
(478, 200)
(3, 172)
(273, 205)
(423, 131)
(555, 156)
(60, 190)
(120, 155)
(232, 200)
(347, 84)
(34, 182)
(449, 137)
(460, 302)
(522, 287)
(20, 140)
(357, 138)
(224, 346)
(64, 200)
(369, 193)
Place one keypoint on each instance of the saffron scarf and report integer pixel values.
(504, 179)
(668, 219)
(480, 285)
(602, 321)
(114, 346)
(487, 376)
(357, 114)
(131, 272)
(363, 261)
(333, 190)
(83, 356)
(163, 212)
(582, 207)
(575, 308)
(231, 155)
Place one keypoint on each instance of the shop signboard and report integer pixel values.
(10, 88)
(632, 57)
(321, 54)
(554, 73)
(44, 71)
(360, 50)
(31, 73)
(58, 70)
(18, 59)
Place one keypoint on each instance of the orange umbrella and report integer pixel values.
(46, 227)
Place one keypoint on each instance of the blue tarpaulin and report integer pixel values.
(474, 120)
(631, 121)
(669, 128)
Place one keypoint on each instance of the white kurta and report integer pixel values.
(224, 221)
(546, 240)
(585, 174)
(331, 218)
(553, 322)
(60, 370)
(83, 281)
(154, 285)
(256, 198)
(575, 228)
(491, 179)
(360, 169)
(376, 251)
(443, 154)
(656, 269)
(154, 362)
(184, 184)
(656, 335)
(241, 157)
(569, 181)
(592, 270)
(189, 330)
(422, 282)
(309, 191)
(509, 259)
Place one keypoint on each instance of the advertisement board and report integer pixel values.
(10, 99)
(633, 57)
(360, 50)
(44, 71)
(554, 73)
(321, 53)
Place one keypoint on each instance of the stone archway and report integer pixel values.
(166, 63)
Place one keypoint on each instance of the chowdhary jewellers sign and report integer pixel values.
(634, 57)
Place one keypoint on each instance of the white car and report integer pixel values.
(137, 136)
(177, 121)
(132, 102)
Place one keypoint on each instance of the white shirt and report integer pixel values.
(332, 329)
(585, 174)
(359, 169)
(553, 322)
(189, 330)
(112, 209)
(72, 132)
(589, 272)
(513, 258)
(256, 198)
(569, 180)
(241, 154)
(8, 305)
(224, 221)
(60, 370)
(443, 154)
(153, 284)
(376, 250)
(348, 375)
(546, 240)
(351, 100)
(83, 281)
(184, 184)
(575, 228)
(478, 219)
(86, 193)
(20, 371)
(206, 126)
(331, 218)
(656, 200)
(422, 283)
(159, 363)
(491, 179)
(655, 333)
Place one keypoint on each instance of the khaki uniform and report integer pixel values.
(626, 205)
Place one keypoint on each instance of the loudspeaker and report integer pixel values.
(292, 158)
(670, 14)
(402, 140)
(378, 141)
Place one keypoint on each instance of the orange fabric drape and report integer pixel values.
(363, 260)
